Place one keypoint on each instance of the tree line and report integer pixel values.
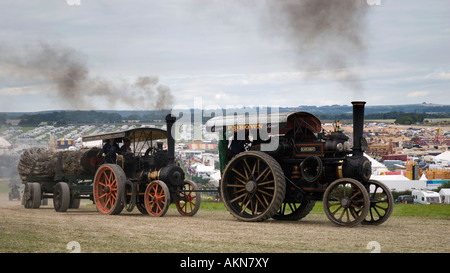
(62, 118)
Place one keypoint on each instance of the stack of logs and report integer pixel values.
(43, 162)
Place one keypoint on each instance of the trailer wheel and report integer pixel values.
(61, 197)
(381, 203)
(74, 203)
(109, 188)
(253, 186)
(188, 202)
(32, 195)
(157, 198)
(346, 202)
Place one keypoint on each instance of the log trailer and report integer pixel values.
(145, 177)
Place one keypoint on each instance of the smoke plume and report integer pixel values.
(328, 35)
(67, 71)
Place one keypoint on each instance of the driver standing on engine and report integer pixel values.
(126, 147)
(109, 151)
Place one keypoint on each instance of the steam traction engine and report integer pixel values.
(307, 165)
(146, 176)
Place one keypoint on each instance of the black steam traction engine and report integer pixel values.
(307, 165)
(146, 176)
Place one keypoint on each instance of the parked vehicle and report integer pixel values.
(426, 197)
(405, 199)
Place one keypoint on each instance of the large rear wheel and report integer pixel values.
(253, 186)
(291, 211)
(109, 188)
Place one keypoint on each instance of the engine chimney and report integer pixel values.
(170, 120)
(358, 126)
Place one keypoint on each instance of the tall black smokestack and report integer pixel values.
(358, 126)
(170, 120)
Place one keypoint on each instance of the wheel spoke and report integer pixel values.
(239, 173)
(261, 174)
(266, 182)
(237, 198)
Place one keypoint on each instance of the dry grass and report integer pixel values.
(44, 230)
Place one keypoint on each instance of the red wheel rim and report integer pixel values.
(105, 189)
(187, 201)
(156, 199)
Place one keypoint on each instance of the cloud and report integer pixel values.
(418, 94)
(443, 75)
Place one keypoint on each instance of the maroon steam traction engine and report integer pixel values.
(308, 165)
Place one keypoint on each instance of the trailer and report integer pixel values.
(426, 197)
(66, 191)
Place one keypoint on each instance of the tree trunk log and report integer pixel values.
(42, 162)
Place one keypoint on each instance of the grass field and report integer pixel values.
(436, 211)
(411, 228)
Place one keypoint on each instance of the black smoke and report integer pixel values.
(66, 70)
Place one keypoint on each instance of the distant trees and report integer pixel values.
(63, 118)
(412, 119)
(2, 119)
(29, 121)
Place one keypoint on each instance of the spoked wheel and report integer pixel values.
(130, 196)
(188, 202)
(32, 195)
(109, 188)
(157, 198)
(253, 186)
(61, 197)
(290, 211)
(381, 203)
(346, 202)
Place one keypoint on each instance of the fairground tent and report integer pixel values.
(445, 156)
(4, 144)
(377, 167)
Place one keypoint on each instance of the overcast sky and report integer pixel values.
(239, 52)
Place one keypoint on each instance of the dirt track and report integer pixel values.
(44, 230)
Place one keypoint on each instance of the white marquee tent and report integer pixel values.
(445, 156)
(4, 144)
(377, 167)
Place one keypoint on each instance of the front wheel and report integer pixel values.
(188, 200)
(346, 202)
(157, 198)
(381, 203)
